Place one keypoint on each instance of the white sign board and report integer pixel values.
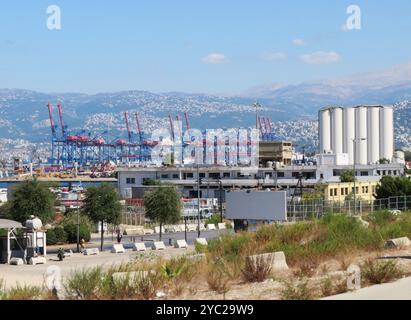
(257, 205)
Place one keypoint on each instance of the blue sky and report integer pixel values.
(212, 46)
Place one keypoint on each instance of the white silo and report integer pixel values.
(373, 134)
(349, 133)
(337, 130)
(386, 133)
(324, 130)
(361, 135)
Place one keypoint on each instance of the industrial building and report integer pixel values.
(286, 177)
(364, 133)
(275, 151)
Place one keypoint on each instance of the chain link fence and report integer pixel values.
(302, 210)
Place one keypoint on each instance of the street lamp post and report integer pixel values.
(78, 222)
(355, 175)
(198, 199)
(221, 200)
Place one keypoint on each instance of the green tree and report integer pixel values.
(347, 176)
(393, 187)
(32, 198)
(163, 205)
(102, 205)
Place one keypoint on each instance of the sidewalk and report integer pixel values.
(399, 290)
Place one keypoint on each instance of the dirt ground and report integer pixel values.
(267, 290)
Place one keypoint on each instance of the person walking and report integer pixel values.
(119, 236)
(82, 243)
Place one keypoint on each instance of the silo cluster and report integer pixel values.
(368, 129)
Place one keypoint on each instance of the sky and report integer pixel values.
(212, 46)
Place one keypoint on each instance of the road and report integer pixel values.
(399, 290)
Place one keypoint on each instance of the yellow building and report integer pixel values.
(338, 191)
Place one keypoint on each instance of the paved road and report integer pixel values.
(399, 290)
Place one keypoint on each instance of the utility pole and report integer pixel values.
(355, 175)
(221, 200)
(198, 199)
(78, 222)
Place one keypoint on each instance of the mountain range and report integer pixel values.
(24, 115)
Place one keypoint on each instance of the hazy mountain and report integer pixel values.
(24, 115)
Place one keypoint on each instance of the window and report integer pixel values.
(164, 176)
(214, 175)
(342, 191)
(176, 176)
(346, 191)
(189, 175)
(331, 192)
(364, 173)
(226, 175)
(280, 174)
(202, 175)
(321, 175)
(130, 180)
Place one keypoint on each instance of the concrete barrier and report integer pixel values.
(118, 248)
(364, 223)
(16, 261)
(91, 251)
(157, 229)
(159, 245)
(148, 231)
(139, 246)
(222, 226)
(211, 226)
(191, 227)
(395, 212)
(37, 260)
(182, 244)
(398, 243)
(135, 230)
(202, 241)
(68, 254)
(202, 227)
(277, 260)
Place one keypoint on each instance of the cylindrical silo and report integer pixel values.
(373, 134)
(324, 118)
(349, 133)
(386, 133)
(361, 135)
(337, 130)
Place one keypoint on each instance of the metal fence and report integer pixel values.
(301, 210)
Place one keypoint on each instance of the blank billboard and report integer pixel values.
(256, 205)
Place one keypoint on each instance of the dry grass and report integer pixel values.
(379, 271)
(297, 290)
(333, 286)
(257, 269)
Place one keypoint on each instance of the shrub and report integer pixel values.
(382, 217)
(84, 284)
(71, 231)
(330, 288)
(147, 286)
(214, 219)
(56, 236)
(217, 281)
(376, 272)
(297, 291)
(23, 293)
(257, 269)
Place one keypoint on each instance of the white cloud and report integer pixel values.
(321, 57)
(271, 56)
(215, 58)
(299, 42)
